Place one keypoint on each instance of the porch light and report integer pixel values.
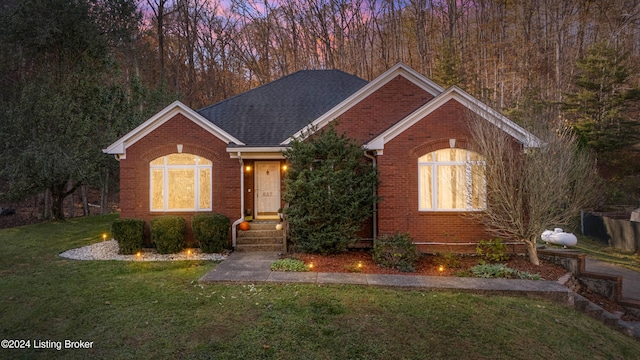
(247, 168)
(284, 167)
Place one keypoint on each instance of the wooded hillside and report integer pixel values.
(574, 62)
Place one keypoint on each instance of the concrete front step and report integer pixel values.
(259, 247)
(263, 225)
(258, 240)
(260, 233)
(261, 236)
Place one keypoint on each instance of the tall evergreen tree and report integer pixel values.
(330, 190)
(598, 109)
(62, 85)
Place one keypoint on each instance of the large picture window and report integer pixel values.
(180, 182)
(451, 180)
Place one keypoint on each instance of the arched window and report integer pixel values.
(180, 182)
(451, 180)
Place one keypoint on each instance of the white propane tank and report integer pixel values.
(559, 237)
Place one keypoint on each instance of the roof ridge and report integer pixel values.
(274, 82)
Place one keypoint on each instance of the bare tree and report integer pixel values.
(529, 190)
(161, 9)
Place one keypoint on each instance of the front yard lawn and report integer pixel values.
(147, 310)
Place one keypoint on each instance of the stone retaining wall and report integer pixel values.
(605, 285)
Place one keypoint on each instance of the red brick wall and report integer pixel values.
(375, 114)
(134, 171)
(398, 210)
(399, 184)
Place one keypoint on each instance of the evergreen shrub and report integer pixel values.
(211, 231)
(167, 233)
(493, 250)
(329, 190)
(396, 251)
(129, 233)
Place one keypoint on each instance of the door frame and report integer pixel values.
(276, 166)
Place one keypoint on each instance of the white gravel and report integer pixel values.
(108, 250)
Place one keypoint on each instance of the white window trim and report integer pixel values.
(468, 163)
(165, 185)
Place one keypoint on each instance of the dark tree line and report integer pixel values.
(90, 70)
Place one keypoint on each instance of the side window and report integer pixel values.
(451, 180)
(180, 182)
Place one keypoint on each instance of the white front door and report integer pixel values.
(267, 192)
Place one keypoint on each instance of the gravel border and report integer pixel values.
(108, 250)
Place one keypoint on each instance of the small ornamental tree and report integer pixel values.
(530, 190)
(330, 189)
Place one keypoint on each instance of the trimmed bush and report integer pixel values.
(329, 191)
(129, 233)
(396, 251)
(211, 231)
(492, 250)
(167, 233)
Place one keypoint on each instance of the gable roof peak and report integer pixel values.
(399, 69)
(120, 146)
(483, 110)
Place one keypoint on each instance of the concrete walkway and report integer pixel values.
(255, 267)
(630, 278)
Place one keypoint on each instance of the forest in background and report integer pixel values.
(564, 62)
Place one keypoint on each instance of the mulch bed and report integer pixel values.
(427, 265)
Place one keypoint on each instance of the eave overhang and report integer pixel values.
(119, 147)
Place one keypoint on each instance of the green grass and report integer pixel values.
(601, 251)
(136, 310)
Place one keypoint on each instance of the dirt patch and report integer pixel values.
(29, 211)
(20, 218)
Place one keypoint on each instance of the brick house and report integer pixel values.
(227, 158)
